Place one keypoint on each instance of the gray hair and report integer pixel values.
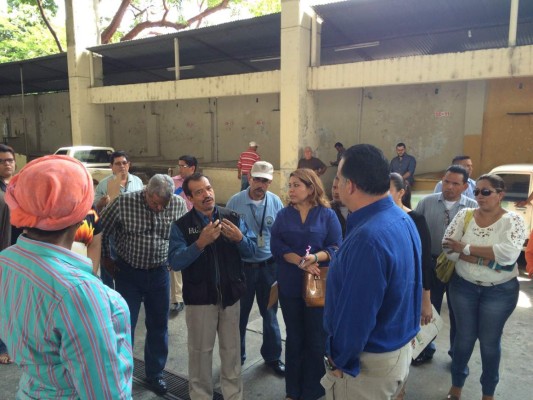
(161, 185)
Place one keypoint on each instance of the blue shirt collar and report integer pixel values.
(359, 216)
(205, 219)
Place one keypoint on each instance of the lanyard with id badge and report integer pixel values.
(260, 238)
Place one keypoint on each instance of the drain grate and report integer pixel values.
(178, 385)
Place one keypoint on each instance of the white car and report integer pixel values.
(518, 180)
(95, 158)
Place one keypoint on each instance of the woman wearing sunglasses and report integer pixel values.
(484, 288)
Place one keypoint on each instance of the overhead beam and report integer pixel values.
(473, 65)
(221, 86)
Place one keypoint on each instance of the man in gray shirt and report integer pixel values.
(439, 209)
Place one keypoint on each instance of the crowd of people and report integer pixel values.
(170, 246)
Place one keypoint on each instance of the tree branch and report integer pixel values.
(108, 32)
(52, 31)
(163, 23)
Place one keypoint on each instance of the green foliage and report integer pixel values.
(264, 7)
(23, 35)
(49, 5)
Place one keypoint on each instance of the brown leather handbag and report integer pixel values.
(314, 288)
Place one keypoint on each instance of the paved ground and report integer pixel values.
(427, 382)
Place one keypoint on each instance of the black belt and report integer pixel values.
(261, 264)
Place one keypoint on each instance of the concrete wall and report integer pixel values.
(508, 123)
(42, 122)
(428, 118)
(488, 120)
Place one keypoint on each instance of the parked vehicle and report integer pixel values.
(518, 180)
(95, 158)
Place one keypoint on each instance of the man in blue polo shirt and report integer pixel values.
(374, 286)
(258, 208)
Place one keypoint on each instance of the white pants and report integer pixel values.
(203, 324)
(176, 285)
(382, 377)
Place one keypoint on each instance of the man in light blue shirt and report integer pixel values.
(465, 162)
(258, 208)
(121, 181)
(109, 188)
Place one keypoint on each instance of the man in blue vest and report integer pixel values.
(207, 244)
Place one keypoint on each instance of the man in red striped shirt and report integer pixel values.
(246, 161)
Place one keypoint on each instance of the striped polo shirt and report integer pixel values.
(68, 332)
(246, 161)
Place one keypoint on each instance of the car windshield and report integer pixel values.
(516, 186)
(93, 156)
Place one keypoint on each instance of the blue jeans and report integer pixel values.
(106, 277)
(244, 182)
(480, 313)
(153, 288)
(258, 284)
(304, 349)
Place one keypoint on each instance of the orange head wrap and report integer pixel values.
(50, 193)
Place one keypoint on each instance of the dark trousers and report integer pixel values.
(151, 287)
(438, 289)
(258, 284)
(304, 349)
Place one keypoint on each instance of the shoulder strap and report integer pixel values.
(468, 217)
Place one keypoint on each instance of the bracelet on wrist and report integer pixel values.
(316, 258)
(480, 261)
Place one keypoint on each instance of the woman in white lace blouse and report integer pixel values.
(484, 288)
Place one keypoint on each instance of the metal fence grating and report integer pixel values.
(178, 385)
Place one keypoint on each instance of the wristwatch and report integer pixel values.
(466, 250)
(329, 366)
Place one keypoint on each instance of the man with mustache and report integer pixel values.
(258, 207)
(207, 244)
(439, 209)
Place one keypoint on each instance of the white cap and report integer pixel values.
(252, 144)
(262, 169)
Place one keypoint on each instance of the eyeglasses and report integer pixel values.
(119, 163)
(7, 160)
(183, 166)
(262, 180)
(485, 192)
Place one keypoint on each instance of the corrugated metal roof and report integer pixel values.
(380, 28)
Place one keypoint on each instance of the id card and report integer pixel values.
(260, 241)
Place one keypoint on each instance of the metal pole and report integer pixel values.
(513, 23)
(176, 59)
(25, 133)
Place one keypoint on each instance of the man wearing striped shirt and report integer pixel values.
(246, 161)
(68, 332)
(140, 225)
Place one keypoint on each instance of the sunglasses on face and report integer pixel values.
(120, 163)
(484, 192)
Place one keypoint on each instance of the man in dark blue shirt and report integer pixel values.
(404, 164)
(373, 295)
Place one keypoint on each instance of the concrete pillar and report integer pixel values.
(297, 104)
(87, 120)
(473, 129)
